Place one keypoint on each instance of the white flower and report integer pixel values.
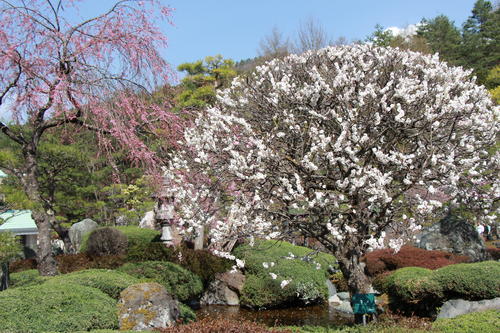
(284, 283)
(273, 276)
(240, 263)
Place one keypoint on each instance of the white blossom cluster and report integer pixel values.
(339, 144)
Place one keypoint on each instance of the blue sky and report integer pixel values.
(234, 28)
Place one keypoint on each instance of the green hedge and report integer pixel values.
(57, 308)
(110, 282)
(307, 278)
(178, 281)
(27, 278)
(486, 321)
(200, 262)
(470, 281)
(420, 290)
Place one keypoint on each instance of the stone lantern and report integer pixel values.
(164, 214)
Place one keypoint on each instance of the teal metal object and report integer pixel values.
(363, 303)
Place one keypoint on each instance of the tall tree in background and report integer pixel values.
(203, 79)
(311, 36)
(442, 36)
(274, 45)
(481, 39)
(55, 72)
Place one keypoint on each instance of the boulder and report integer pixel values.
(344, 296)
(224, 290)
(334, 300)
(146, 306)
(457, 307)
(233, 279)
(218, 293)
(79, 229)
(453, 234)
(344, 307)
(148, 221)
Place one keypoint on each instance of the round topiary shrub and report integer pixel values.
(56, 308)
(181, 283)
(107, 241)
(472, 282)
(110, 282)
(421, 291)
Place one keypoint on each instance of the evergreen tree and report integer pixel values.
(203, 79)
(442, 37)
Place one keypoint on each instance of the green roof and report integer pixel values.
(19, 222)
(2, 174)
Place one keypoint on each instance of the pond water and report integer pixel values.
(320, 315)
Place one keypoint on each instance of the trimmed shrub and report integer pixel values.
(220, 325)
(421, 291)
(181, 283)
(56, 308)
(201, 262)
(136, 237)
(108, 281)
(150, 251)
(106, 241)
(26, 278)
(306, 277)
(486, 321)
(470, 281)
(380, 261)
(67, 263)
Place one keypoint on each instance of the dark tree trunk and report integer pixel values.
(4, 276)
(47, 264)
(353, 271)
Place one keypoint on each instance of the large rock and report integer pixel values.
(224, 290)
(233, 279)
(79, 229)
(455, 235)
(148, 221)
(146, 306)
(457, 307)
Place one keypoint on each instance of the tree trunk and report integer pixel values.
(354, 273)
(47, 264)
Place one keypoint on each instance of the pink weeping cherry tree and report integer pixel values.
(94, 73)
(356, 146)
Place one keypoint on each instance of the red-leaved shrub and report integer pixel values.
(22, 265)
(494, 253)
(380, 261)
(220, 325)
(67, 263)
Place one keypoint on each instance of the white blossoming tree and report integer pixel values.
(345, 144)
